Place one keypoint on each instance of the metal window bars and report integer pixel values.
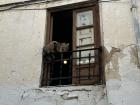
(65, 67)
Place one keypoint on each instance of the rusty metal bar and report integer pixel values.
(69, 59)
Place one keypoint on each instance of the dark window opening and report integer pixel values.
(62, 27)
(62, 32)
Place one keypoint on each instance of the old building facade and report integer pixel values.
(27, 26)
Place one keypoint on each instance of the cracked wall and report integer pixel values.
(65, 96)
(123, 77)
(71, 95)
(22, 37)
(122, 71)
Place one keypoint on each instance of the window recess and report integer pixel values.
(81, 64)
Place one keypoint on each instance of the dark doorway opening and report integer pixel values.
(62, 32)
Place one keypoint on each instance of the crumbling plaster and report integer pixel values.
(22, 37)
(71, 95)
(65, 96)
(122, 73)
(123, 82)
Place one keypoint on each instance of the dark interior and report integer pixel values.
(62, 32)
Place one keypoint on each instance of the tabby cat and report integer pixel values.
(54, 47)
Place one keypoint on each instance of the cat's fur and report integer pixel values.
(63, 47)
(51, 47)
(54, 47)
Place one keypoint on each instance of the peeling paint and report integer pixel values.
(124, 80)
(136, 24)
(134, 55)
(113, 57)
(109, 52)
(66, 96)
(121, 63)
(75, 95)
(111, 61)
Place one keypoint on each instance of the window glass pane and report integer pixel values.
(84, 18)
(85, 36)
(86, 54)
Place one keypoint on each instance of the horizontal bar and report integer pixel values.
(85, 27)
(86, 45)
(59, 60)
(69, 77)
(98, 48)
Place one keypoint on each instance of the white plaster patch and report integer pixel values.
(108, 49)
(113, 84)
(74, 95)
(22, 38)
(63, 2)
(125, 91)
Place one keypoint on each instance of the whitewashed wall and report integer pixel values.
(138, 7)
(22, 35)
(21, 41)
(121, 64)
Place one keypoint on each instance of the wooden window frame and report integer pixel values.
(97, 41)
(85, 4)
(77, 7)
(75, 28)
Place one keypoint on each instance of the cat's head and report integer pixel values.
(63, 47)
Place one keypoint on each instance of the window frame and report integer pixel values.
(77, 7)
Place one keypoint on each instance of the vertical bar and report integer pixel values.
(48, 75)
(89, 58)
(79, 65)
(51, 72)
(61, 67)
(99, 65)
(70, 66)
(48, 72)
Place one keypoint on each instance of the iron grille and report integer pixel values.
(61, 67)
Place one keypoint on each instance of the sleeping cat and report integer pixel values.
(54, 47)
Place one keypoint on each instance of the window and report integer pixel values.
(85, 34)
(81, 64)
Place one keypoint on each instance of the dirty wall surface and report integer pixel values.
(22, 38)
(122, 71)
(22, 34)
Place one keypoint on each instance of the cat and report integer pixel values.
(54, 47)
(51, 47)
(63, 47)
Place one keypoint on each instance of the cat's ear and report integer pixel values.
(67, 44)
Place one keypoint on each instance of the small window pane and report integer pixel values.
(84, 18)
(86, 54)
(85, 36)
